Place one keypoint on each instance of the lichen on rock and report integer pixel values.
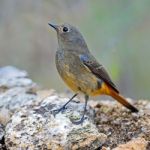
(37, 128)
(16, 90)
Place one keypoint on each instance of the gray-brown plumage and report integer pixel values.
(80, 70)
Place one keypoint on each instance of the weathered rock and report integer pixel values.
(2, 145)
(120, 125)
(12, 77)
(37, 128)
(14, 99)
(1, 132)
(16, 90)
(135, 144)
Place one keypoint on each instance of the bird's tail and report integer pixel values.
(122, 100)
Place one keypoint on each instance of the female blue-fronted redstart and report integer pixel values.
(80, 70)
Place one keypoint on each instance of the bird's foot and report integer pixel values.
(56, 111)
(62, 109)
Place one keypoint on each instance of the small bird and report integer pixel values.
(81, 71)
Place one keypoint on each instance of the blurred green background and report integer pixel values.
(117, 33)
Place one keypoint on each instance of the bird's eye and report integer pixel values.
(65, 29)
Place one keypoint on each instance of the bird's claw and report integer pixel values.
(56, 111)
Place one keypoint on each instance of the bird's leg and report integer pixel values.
(82, 118)
(56, 111)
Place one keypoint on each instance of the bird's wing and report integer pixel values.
(97, 69)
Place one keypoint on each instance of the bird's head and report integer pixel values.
(69, 37)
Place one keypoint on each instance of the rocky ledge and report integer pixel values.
(27, 121)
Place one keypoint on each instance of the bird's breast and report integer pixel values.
(76, 75)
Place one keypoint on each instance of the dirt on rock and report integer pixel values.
(120, 125)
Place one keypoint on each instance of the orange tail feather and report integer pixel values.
(122, 100)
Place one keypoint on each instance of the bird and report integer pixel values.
(80, 70)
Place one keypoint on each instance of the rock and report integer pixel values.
(120, 125)
(135, 144)
(16, 90)
(12, 77)
(37, 128)
(105, 148)
(14, 99)
(1, 132)
(2, 145)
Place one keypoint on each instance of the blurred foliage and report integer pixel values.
(117, 33)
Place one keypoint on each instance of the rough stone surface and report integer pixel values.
(13, 77)
(37, 128)
(14, 99)
(120, 125)
(16, 90)
(2, 132)
(135, 144)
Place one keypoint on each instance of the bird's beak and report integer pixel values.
(53, 26)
